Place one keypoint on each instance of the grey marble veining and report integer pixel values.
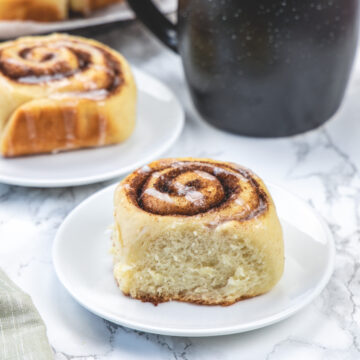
(321, 166)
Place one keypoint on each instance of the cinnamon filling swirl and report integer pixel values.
(50, 61)
(189, 188)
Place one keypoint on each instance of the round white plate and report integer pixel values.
(160, 119)
(84, 266)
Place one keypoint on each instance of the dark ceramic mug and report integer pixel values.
(262, 68)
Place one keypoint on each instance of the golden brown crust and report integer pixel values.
(36, 10)
(86, 6)
(98, 4)
(155, 300)
(49, 132)
(64, 93)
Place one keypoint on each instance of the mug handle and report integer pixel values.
(150, 15)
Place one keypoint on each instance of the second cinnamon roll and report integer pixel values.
(61, 92)
(196, 230)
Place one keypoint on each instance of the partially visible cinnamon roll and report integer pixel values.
(195, 230)
(61, 92)
(86, 6)
(37, 10)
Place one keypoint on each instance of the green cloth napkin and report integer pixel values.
(22, 331)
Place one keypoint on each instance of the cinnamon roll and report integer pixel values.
(86, 6)
(195, 230)
(37, 10)
(61, 92)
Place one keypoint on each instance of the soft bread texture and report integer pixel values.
(195, 230)
(37, 10)
(62, 92)
(86, 6)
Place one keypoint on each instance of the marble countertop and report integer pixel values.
(321, 166)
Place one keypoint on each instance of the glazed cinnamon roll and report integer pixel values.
(195, 230)
(37, 10)
(61, 92)
(86, 6)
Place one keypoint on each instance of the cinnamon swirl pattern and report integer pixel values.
(195, 230)
(61, 92)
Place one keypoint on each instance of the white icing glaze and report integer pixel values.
(145, 169)
(14, 61)
(159, 195)
(102, 129)
(205, 175)
(30, 125)
(40, 79)
(124, 186)
(99, 94)
(69, 124)
(217, 170)
(190, 194)
(195, 197)
(180, 188)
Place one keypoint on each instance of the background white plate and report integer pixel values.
(84, 266)
(160, 120)
(118, 12)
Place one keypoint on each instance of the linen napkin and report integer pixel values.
(22, 331)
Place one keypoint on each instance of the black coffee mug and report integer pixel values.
(262, 68)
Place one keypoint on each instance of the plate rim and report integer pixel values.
(225, 330)
(86, 180)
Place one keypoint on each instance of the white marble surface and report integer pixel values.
(321, 166)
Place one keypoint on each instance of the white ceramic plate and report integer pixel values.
(160, 120)
(309, 251)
